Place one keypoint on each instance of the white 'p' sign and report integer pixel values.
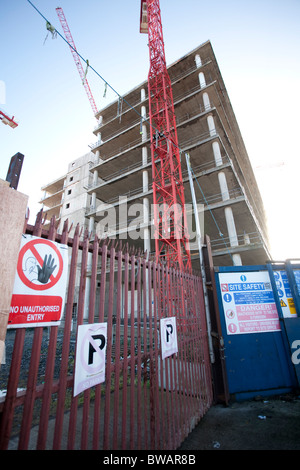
(90, 356)
(168, 334)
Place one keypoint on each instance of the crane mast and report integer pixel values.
(76, 57)
(170, 226)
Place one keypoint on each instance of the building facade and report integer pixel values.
(224, 182)
(67, 196)
(109, 190)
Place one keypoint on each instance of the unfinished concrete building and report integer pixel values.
(120, 189)
(66, 197)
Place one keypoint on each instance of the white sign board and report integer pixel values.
(90, 356)
(168, 335)
(248, 302)
(40, 284)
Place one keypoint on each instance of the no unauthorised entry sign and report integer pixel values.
(40, 283)
(90, 356)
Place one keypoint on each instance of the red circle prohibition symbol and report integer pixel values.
(31, 246)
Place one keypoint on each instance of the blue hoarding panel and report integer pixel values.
(257, 357)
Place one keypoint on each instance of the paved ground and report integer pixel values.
(260, 424)
(264, 423)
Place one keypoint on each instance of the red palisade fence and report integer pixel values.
(146, 402)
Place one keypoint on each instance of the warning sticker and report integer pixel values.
(285, 294)
(292, 306)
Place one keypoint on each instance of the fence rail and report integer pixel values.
(145, 402)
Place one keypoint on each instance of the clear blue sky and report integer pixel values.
(257, 46)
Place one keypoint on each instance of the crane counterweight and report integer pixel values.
(9, 121)
(144, 18)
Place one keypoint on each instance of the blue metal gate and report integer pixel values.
(260, 319)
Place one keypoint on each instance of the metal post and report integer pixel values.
(202, 269)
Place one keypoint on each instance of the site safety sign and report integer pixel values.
(90, 356)
(248, 302)
(40, 284)
(168, 335)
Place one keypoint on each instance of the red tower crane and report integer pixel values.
(171, 237)
(76, 57)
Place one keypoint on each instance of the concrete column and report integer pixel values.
(144, 133)
(145, 172)
(233, 239)
(231, 227)
(91, 224)
(93, 204)
(246, 239)
(217, 153)
(143, 111)
(211, 125)
(87, 291)
(144, 126)
(202, 80)
(95, 177)
(206, 101)
(94, 196)
(223, 186)
(198, 60)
